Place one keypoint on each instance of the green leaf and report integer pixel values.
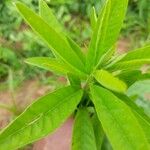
(47, 14)
(106, 31)
(83, 133)
(40, 118)
(129, 65)
(93, 18)
(50, 64)
(98, 131)
(54, 40)
(77, 50)
(143, 119)
(133, 60)
(130, 77)
(74, 80)
(141, 53)
(118, 121)
(109, 81)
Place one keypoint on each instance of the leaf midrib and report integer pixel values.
(43, 114)
(123, 131)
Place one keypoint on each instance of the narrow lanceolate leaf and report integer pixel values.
(142, 53)
(83, 133)
(40, 118)
(130, 77)
(48, 16)
(129, 65)
(93, 18)
(98, 131)
(118, 121)
(133, 59)
(143, 119)
(54, 40)
(109, 81)
(50, 64)
(106, 31)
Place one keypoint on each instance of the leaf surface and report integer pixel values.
(54, 40)
(51, 64)
(130, 77)
(47, 14)
(143, 119)
(119, 123)
(109, 81)
(133, 60)
(93, 18)
(106, 31)
(83, 133)
(40, 118)
(98, 131)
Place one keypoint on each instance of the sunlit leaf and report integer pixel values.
(118, 121)
(83, 133)
(40, 118)
(109, 81)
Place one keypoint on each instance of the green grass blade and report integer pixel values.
(40, 118)
(119, 123)
(107, 30)
(83, 133)
(109, 81)
(54, 40)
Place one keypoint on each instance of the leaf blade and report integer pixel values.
(120, 125)
(107, 30)
(40, 118)
(51, 37)
(83, 133)
(109, 81)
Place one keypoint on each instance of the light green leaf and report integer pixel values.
(118, 121)
(141, 53)
(47, 14)
(83, 133)
(40, 118)
(50, 64)
(74, 80)
(130, 77)
(133, 60)
(93, 18)
(129, 65)
(143, 119)
(106, 31)
(109, 81)
(98, 131)
(77, 49)
(54, 40)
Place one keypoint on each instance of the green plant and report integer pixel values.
(97, 86)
